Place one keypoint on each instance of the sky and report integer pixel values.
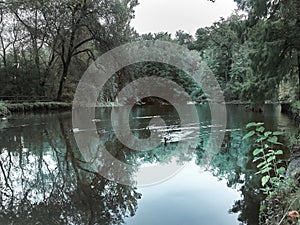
(186, 200)
(173, 15)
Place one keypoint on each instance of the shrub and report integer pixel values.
(3, 110)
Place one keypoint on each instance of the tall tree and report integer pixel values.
(59, 36)
(272, 34)
(219, 45)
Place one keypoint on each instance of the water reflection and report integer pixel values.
(45, 180)
(174, 146)
(233, 164)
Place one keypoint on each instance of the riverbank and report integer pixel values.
(282, 206)
(293, 110)
(8, 108)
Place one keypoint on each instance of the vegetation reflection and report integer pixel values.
(44, 181)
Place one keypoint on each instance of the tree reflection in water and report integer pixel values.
(233, 163)
(44, 181)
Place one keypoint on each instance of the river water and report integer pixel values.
(46, 179)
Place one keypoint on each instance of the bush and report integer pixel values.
(267, 151)
(282, 203)
(3, 110)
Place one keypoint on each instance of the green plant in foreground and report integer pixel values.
(267, 150)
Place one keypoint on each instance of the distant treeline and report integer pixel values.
(45, 47)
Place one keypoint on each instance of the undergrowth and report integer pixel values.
(282, 195)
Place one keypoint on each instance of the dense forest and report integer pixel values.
(45, 47)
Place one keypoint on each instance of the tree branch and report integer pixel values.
(83, 51)
(81, 43)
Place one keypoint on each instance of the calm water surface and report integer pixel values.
(44, 179)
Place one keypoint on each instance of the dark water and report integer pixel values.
(44, 178)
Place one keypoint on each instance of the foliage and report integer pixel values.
(282, 193)
(296, 106)
(220, 45)
(276, 207)
(46, 46)
(269, 39)
(3, 110)
(267, 150)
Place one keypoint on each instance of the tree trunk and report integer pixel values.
(62, 82)
(298, 75)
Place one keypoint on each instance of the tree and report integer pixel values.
(272, 36)
(59, 39)
(276, 46)
(220, 45)
(183, 38)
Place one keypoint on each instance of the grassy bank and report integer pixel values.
(7, 108)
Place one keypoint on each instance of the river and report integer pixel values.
(46, 179)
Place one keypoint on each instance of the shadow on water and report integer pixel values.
(45, 180)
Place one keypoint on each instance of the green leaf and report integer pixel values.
(266, 190)
(279, 152)
(267, 134)
(261, 164)
(271, 158)
(260, 129)
(281, 170)
(264, 180)
(266, 170)
(276, 133)
(274, 140)
(274, 180)
(250, 134)
(254, 124)
(260, 139)
(267, 165)
(257, 151)
(269, 154)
